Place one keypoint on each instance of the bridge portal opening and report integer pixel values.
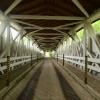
(47, 54)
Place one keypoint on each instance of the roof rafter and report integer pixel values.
(25, 23)
(31, 33)
(44, 17)
(81, 8)
(48, 34)
(45, 39)
(12, 6)
(66, 25)
(64, 33)
(67, 28)
(39, 37)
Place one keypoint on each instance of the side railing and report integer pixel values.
(15, 61)
(93, 64)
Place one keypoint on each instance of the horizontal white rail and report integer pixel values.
(80, 61)
(14, 58)
(3, 60)
(26, 59)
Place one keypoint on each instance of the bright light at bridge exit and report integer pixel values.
(47, 54)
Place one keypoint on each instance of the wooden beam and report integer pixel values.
(46, 17)
(47, 42)
(51, 28)
(66, 25)
(25, 23)
(81, 8)
(31, 33)
(12, 6)
(49, 34)
(55, 37)
(30, 28)
(46, 45)
(46, 39)
(65, 33)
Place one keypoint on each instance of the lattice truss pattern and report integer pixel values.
(20, 49)
(75, 50)
(45, 24)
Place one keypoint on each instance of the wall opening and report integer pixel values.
(47, 54)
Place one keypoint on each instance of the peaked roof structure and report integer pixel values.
(48, 21)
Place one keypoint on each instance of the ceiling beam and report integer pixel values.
(43, 34)
(44, 17)
(55, 37)
(45, 42)
(47, 46)
(81, 8)
(67, 28)
(33, 26)
(49, 34)
(66, 25)
(36, 33)
(12, 6)
(63, 33)
(33, 32)
(25, 23)
(30, 28)
(45, 39)
(38, 37)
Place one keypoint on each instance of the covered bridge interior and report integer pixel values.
(69, 30)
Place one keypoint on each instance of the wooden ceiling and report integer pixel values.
(48, 37)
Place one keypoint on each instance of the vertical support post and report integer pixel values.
(85, 78)
(37, 57)
(29, 47)
(31, 59)
(85, 53)
(1, 44)
(57, 56)
(8, 56)
(8, 71)
(63, 60)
